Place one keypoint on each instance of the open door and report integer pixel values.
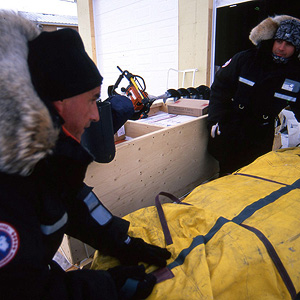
(233, 23)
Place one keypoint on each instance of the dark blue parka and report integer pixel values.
(42, 194)
(39, 209)
(247, 95)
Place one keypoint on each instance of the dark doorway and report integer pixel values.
(234, 23)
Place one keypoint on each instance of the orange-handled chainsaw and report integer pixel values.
(136, 91)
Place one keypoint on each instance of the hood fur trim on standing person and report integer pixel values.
(27, 133)
(266, 29)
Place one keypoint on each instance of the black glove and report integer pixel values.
(136, 250)
(132, 282)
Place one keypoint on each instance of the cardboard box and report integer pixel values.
(277, 141)
(190, 107)
(120, 134)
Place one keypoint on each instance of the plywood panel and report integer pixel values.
(172, 159)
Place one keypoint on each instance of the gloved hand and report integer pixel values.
(132, 282)
(135, 250)
(215, 130)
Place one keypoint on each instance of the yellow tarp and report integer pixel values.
(213, 255)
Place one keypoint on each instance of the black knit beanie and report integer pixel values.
(59, 66)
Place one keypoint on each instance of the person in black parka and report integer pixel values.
(48, 92)
(250, 90)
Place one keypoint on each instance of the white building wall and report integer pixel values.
(140, 36)
(220, 3)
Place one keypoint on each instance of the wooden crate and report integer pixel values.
(75, 251)
(171, 159)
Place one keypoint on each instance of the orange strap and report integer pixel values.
(67, 133)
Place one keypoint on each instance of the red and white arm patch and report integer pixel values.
(9, 243)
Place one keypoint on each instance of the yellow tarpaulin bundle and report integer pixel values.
(236, 237)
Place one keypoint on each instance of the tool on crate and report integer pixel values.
(170, 93)
(204, 91)
(136, 91)
(184, 93)
(194, 93)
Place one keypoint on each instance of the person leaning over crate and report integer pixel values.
(251, 89)
(49, 88)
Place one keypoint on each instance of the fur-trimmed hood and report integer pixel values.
(27, 133)
(266, 29)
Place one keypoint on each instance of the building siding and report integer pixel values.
(139, 36)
